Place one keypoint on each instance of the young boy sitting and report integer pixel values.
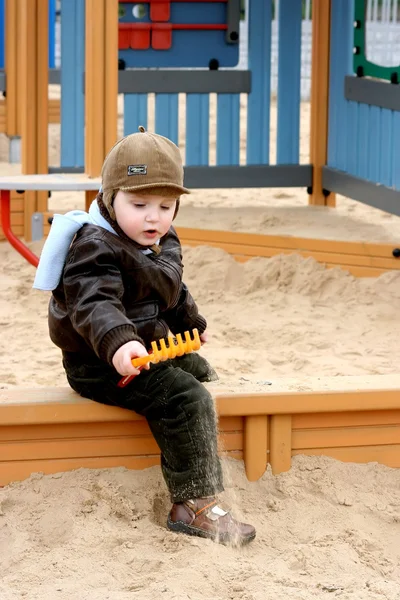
(116, 288)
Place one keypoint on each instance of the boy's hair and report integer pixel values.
(142, 162)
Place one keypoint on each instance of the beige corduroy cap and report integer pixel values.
(141, 161)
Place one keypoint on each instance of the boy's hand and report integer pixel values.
(123, 357)
(204, 337)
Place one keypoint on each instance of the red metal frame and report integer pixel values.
(10, 236)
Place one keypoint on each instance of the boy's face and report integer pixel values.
(143, 218)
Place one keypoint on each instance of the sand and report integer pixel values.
(325, 529)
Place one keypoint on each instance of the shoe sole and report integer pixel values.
(181, 527)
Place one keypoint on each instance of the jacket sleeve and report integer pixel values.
(94, 289)
(185, 315)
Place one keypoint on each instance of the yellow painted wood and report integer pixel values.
(359, 419)
(110, 74)
(280, 443)
(385, 455)
(11, 118)
(346, 436)
(287, 242)
(255, 446)
(321, 25)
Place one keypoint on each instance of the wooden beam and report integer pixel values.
(321, 21)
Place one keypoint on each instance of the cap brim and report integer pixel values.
(136, 188)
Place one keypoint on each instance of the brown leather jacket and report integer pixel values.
(111, 293)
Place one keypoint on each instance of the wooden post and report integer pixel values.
(12, 52)
(34, 100)
(255, 446)
(101, 81)
(321, 20)
(281, 443)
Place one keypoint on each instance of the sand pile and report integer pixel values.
(325, 530)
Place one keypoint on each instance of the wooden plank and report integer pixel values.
(342, 260)
(255, 446)
(359, 419)
(12, 121)
(94, 86)
(385, 455)
(58, 405)
(280, 443)
(54, 114)
(321, 25)
(337, 437)
(73, 431)
(110, 74)
(286, 242)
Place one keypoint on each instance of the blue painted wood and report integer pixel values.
(258, 104)
(166, 117)
(396, 151)
(347, 160)
(52, 34)
(135, 112)
(72, 97)
(341, 56)
(386, 147)
(375, 136)
(197, 129)
(363, 141)
(289, 71)
(228, 129)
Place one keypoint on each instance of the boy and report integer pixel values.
(120, 287)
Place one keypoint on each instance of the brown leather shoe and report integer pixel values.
(205, 517)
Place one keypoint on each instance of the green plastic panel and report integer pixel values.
(362, 66)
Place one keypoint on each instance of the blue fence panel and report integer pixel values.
(52, 34)
(197, 129)
(259, 59)
(289, 72)
(72, 97)
(135, 112)
(385, 147)
(340, 110)
(375, 134)
(396, 151)
(228, 129)
(166, 117)
(363, 141)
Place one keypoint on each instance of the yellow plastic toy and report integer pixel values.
(174, 347)
(171, 349)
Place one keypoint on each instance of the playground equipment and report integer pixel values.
(354, 150)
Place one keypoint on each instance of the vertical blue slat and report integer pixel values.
(228, 129)
(72, 97)
(2, 32)
(166, 119)
(347, 159)
(386, 148)
(52, 34)
(135, 112)
(341, 57)
(363, 141)
(289, 69)
(374, 134)
(396, 151)
(197, 129)
(259, 59)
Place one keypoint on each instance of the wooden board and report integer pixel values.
(53, 429)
